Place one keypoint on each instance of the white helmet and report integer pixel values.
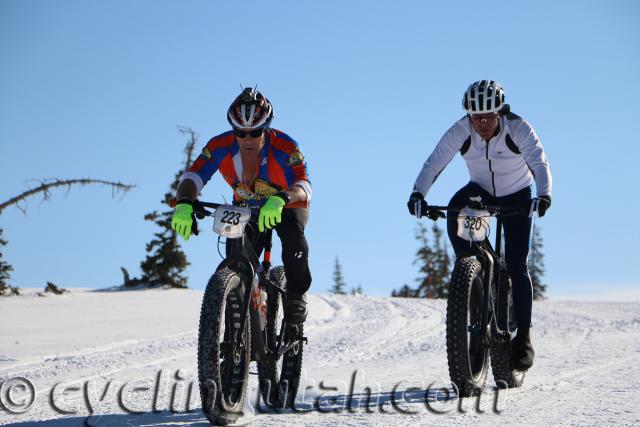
(484, 96)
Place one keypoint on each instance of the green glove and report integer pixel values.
(181, 221)
(271, 213)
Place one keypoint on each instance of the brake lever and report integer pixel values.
(435, 215)
(194, 224)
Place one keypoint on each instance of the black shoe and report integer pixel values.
(522, 351)
(295, 309)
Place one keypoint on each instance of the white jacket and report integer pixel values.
(509, 162)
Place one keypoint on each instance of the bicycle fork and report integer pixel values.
(491, 272)
(487, 309)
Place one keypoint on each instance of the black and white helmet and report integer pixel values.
(250, 110)
(482, 97)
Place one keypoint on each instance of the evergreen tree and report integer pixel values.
(425, 258)
(442, 270)
(165, 261)
(434, 264)
(536, 265)
(357, 290)
(339, 285)
(5, 269)
(405, 291)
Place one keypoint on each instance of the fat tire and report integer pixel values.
(504, 376)
(223, 295)
(466, 274)
(279, 387)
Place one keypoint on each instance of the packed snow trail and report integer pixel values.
(96, 353)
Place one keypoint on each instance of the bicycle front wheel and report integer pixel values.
(467, 337)
(223, 353)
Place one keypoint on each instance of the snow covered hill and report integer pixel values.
(92, 354)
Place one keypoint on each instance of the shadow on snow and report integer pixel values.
(376, 402)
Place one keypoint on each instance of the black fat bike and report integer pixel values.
(241, 320)
(480, 316)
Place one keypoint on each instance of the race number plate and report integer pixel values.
(473, 224)
(229, 220)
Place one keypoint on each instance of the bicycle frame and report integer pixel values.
(492, 265)
(242, 258)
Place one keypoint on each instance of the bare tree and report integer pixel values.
(46, 185)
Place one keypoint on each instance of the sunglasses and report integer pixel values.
(243, 134)
(481, 117)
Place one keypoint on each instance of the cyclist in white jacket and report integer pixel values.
(504, 157)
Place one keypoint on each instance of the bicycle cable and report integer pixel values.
(220, 253)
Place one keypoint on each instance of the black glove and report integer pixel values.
(544, 203)
(416, 204)
(419, 207)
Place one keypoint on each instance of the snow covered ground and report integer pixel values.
(92, 354)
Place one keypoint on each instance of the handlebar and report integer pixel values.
(199, 207)
(200, 211)
(494, 210)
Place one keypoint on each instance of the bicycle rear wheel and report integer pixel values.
(279, 377)
(467, 338)
(223, 355)
(504, 376)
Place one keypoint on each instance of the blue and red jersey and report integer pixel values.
(281, 165)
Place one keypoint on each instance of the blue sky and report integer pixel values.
(97, 89)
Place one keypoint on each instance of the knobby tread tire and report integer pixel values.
(278, 388)
(465, 271)
(503, 375)
(216, 297)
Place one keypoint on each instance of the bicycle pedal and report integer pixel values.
(294, 333)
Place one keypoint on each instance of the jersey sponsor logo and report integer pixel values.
(244, 191)
(295, 158)
(206, 153)
(265, 189)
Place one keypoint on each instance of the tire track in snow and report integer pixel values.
(105, 359)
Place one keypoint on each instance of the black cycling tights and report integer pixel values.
(295, 250)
